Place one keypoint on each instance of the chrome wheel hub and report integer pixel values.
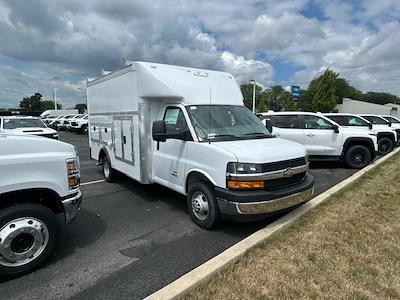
(200, 205)
(22, 241)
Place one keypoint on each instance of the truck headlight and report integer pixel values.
(73, 172)
(243, 168)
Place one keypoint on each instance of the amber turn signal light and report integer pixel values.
(245, 185)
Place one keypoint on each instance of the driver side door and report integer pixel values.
(170, 158)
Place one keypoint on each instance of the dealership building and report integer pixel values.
(361, 107)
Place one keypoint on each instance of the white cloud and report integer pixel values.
(245, 70)
(58, 43)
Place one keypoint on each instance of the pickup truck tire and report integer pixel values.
(28, 233)
(202, 205)
(357, 157)
(385, 145)
(108, 172)
(83, 129)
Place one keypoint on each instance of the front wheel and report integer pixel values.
(357, 157)
(28, 233)
(203, 206)
(385, 145)
(83, 129)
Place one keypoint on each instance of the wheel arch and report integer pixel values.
(359, 141)
(43, 196)
(103, 153)
(198, 175)
(391, 136)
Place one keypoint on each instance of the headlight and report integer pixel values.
(73, 172)
(243, 168)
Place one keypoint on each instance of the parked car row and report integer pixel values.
(353, 139)
(69, 122)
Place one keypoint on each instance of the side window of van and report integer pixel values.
(285, 121)
(175, 122)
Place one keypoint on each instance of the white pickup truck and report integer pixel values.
(39, 191)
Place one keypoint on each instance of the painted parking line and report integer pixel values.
(93, 182)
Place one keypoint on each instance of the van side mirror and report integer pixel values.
(268, 125)
(390, 124)
(159, 132)
(370, 126)
(336, 128)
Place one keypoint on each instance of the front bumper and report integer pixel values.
(256, 204)
(72, 205)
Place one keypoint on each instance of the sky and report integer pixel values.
(58, 44)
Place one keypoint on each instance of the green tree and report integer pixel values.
(381, 98)
(260, 105)
(48, 104)
(247, 91)
(305, 101)
(32, 103)
(81, 107)
(345, 90)
(326, 98)
(277, 99)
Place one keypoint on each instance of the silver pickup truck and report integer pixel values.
(39, 191)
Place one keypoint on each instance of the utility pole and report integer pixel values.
(55, 98)
(254, 95)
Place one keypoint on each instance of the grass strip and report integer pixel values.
(348, 247)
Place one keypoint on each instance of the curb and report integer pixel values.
(202, 273)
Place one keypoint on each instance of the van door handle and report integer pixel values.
(310, 134)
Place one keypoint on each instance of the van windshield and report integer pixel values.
(225, 123)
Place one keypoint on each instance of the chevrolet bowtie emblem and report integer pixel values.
(288, 172)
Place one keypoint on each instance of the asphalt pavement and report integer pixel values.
(131, 239)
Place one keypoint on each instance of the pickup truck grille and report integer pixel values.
(278, 183)
(282, 165)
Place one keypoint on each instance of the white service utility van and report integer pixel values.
(188, 129)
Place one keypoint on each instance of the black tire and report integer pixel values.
(109, 173)
(22, 212)
(357, 157)
(83, 129)
(211, 215)
(385, 145)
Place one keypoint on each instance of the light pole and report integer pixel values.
(254, 95)
(55, 98)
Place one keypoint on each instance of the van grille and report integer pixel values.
(274, 184)
(282, 165)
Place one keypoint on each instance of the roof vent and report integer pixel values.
(201, 74)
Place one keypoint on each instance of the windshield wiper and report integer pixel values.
(258, 134)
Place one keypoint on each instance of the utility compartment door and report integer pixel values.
(123, 139)
(127, 140)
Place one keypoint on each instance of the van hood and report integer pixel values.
(263, 150)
